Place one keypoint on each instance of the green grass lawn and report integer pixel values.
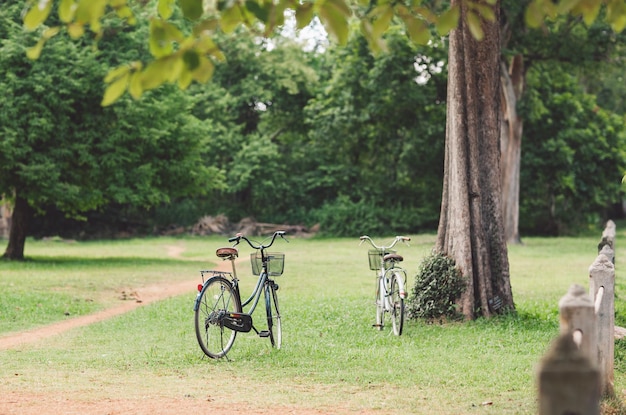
(331, 356)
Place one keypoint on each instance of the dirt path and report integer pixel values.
(132, 300)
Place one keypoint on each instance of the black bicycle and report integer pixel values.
(218, 308)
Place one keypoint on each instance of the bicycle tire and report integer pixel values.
(217, 297)
(396, 303)
(273, 314)
(380, 306)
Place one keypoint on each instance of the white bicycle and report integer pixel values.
(390, 282)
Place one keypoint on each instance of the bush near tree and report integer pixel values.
(437, 289)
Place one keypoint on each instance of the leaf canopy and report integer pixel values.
(190, 58)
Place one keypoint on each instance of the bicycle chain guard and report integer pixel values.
(238, 322)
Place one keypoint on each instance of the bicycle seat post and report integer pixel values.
(230, 254)
(232, 263)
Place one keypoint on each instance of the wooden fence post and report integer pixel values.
(602, 290)
(577, 315)
(569, 383)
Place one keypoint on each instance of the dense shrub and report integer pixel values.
(343, 217)
(438, 284)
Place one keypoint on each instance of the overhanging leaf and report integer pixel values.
(191, 60)
(590, 12)
(35, 51)
(486, 12)
(474, 25)
(125, 12)
(37, 14)
(261, 11)
(333, 14)
(376, 43)
(231, 18)
(448, 20)
(161, 38)
(116, 73)
(154, 75)
(50, 32)
(114, 91)
(192, 9)
(166, 8)
(67, 8)
(135, 88)
(185, 79)
(534, 14)
(565, 6)
(204, 71)
(75, 30)
(616, 15)
(174, 67)
(425, 13)
(418, 30)
(304, 15)
(206, 25)
(383, 16)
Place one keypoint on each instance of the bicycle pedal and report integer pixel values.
(264, 333)
(377, 325)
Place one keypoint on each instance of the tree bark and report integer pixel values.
(471, 229)
(22, 214)
(512, 80)
(5, 218)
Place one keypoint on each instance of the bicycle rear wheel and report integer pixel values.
(217, 298)
(273, 314)
(396, 303)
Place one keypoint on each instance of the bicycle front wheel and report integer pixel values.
(396, 303)
(273, 314)
(217, 298)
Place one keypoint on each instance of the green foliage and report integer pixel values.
(574, 155)
(61, 151)
(376, 134)
(438, 285)
(343, 217)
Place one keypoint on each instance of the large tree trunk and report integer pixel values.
(22, 214)
(512, 80)
(471, 230)
(5, 218)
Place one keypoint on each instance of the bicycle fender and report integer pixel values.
(401, 288)
(196, 303)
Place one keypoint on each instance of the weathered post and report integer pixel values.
(602, 289)
(577, 315)
(608, 234)
(569, 383)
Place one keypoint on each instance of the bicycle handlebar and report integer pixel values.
(237, 238)
(397, 239)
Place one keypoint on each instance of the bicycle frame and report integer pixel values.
(256, 293)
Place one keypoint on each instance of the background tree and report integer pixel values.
(470, 225)
(59, 148)
(376, 137)
(562, 40)
(573, 164)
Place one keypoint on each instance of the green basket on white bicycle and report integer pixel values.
(375, 256)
